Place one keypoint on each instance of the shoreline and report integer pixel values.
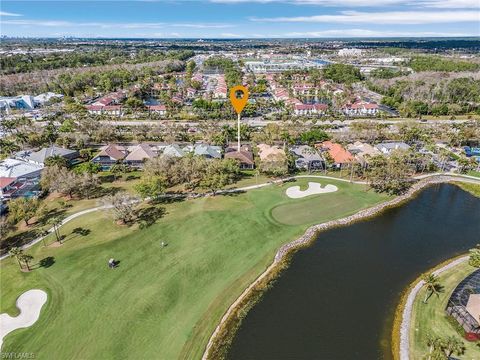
(406, 306)
(307, 238)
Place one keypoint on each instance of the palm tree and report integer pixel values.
(453, 345)
(434, 343)
(56, 223)
(26, 258)
(431, 285)
(17, 253)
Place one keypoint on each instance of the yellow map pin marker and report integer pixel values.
(238, 97)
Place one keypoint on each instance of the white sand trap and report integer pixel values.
(29, 303)
(294, 192)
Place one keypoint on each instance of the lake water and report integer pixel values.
(337, 299)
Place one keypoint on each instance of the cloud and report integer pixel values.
(371, 33)
(4, 13)
(230, 35)
(204, 26)
(106, 25)
(391, 17)
(447, 4)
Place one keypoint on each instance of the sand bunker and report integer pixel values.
(294, 192)
(29, 303)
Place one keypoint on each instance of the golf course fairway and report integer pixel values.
(162, 302)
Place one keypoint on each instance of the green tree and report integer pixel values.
(474, 259)
(26, 259)
(23, 209)
(56, 222)
(16, 253)
(118, 169)
(56, 160)
(342, 73)
(151, 187)
(389, 174)
(313, 136)
(88, 167)
(431, 285)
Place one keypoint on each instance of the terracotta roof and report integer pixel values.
(112, 151)
(363, 105)
(157, 107)
(317, 107)
(336, 151)
(243, 156)
(5, 181)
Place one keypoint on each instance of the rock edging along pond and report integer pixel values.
(404, 351)
(235, 312)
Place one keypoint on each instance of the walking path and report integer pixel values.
(465, 178)
(29, 303)
(407, 310)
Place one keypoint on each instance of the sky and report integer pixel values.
(240, 18)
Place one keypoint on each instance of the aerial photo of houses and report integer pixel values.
(240, 180)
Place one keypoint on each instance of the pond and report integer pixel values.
(337, 298)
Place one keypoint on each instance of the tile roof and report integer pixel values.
(140, 153)
(242, 155)
(113, 151)
(336, 151)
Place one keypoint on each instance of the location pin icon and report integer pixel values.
(238, 97)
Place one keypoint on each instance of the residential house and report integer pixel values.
(18, 178)
(362, 152)
(191, 92)
(388, 147)
(108, 104)
(44, 98)
(265, 151)
(173, 150)
(11, 188)
(14, 168)
(310, 109)
(157, 109)
(113, 110)
(110, 155)
(341, 158)
(39, 157)
(138, 154)
(361, 108)
(244, 157)
(307, 158)
(220, 91)
(205, 150)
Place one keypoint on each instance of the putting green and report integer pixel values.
(161, 302)
(316, 209)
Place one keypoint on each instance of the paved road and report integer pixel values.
(465, 178)
(260, 122)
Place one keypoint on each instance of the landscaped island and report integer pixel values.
(175, 279)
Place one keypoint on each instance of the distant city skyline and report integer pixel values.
(232, 19)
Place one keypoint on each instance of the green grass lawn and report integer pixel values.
(473, 189)
(474, 173)
(431, 318)
(161, 302)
